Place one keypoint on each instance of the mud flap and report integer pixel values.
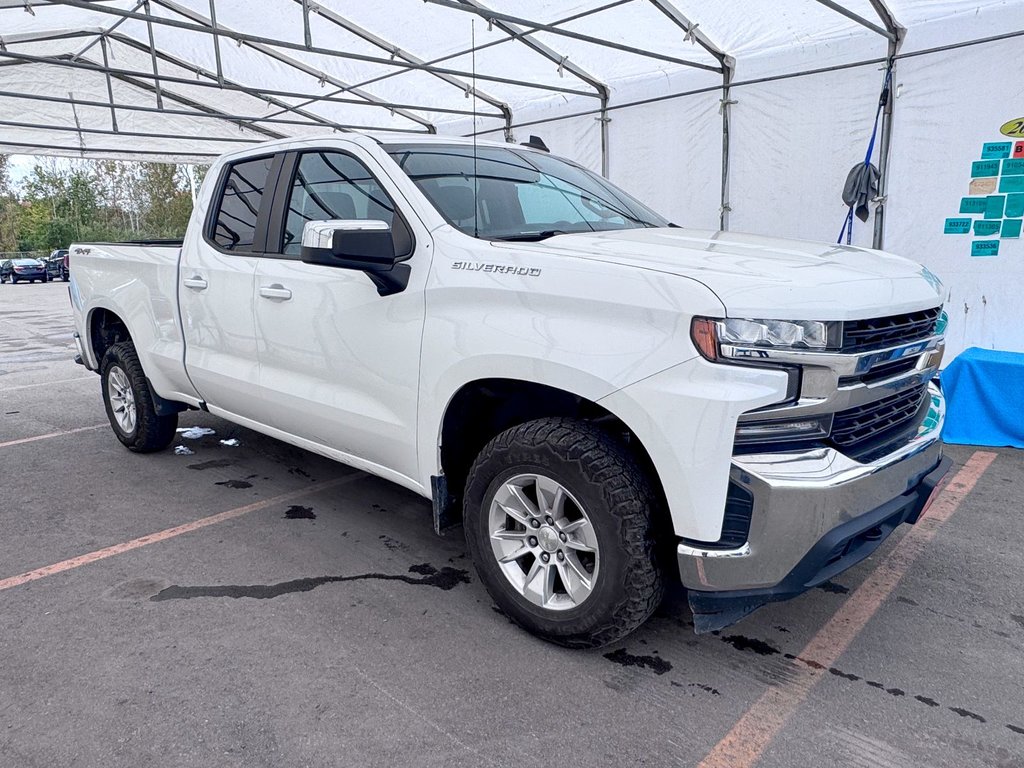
(711, 614)
(446, 515)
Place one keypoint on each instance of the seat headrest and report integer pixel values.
(456, 202)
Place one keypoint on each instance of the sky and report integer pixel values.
(20, 167)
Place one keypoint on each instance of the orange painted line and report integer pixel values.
(168, 533)
(50, 434)
(744, 744)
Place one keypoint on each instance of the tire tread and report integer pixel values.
(631, 501)
(153, 432)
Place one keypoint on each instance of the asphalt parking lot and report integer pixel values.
(256, 605)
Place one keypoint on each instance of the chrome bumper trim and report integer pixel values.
(843, 363)
(800, 496)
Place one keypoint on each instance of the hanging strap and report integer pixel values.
(883, 99)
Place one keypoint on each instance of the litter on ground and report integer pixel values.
(231, 442)
(194, 433)
(183, 450)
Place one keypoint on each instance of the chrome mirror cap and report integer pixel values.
(320, 234)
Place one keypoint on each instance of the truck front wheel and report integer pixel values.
(129, 402)
(558, 522)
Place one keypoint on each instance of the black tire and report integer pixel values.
(151, 432)
(620, 502)
(14, 280)
(44, 280)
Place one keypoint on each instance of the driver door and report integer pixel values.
(339, 364)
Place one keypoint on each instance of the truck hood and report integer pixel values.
(765, 277)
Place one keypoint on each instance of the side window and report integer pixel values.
(332, 185)
(235, 224)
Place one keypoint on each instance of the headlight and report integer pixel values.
(708, 333)
(941, 323)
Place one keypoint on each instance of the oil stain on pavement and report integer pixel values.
(446, 578)
(657, 665)
(296, 512)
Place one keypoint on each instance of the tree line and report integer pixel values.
(63, 201)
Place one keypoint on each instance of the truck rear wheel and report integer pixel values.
(129, 402)
(558, 521)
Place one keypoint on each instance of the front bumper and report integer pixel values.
(815, 514)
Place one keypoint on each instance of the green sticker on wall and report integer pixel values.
(1011, 228)
(1011, 184)
(1014, 206)
(993, 149)
(1013, 167)
(983, 228)
(973, 204)
(984, 168)
(994, 205)
(957, 227)
(985, 248)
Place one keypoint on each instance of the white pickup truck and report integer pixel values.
(606, 400)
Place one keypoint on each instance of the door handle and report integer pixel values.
(196, 282)
(275, 291)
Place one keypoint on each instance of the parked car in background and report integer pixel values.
(17, 270)
(57, 265)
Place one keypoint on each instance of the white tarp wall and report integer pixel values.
(806, 85)
(794, 140)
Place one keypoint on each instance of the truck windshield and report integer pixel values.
(510, 194)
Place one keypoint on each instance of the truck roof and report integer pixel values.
(371, 137)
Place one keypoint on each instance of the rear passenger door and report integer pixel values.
(215, 289)
(339, 362)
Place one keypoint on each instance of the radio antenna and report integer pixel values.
(476, 178)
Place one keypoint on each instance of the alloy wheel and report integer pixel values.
(544, 542)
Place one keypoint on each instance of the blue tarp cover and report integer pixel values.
(984, 392)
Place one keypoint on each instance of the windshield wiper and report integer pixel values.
(532, 237)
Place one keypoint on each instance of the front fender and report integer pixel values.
(686, 419)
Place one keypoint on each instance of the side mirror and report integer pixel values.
(356, 244)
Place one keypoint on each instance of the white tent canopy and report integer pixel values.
(736, 114)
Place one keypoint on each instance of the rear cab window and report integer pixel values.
(233, 226)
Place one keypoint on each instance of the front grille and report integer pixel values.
(881, 371)
(880, 332)
(865, 423)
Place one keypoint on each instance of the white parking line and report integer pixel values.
(46, 383)
(51, 434)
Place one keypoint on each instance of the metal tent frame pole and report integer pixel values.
(894, 32)
(248, 122)
(727, 64)
(240, 37)
(889, 33)
(601, 89)
(471, 6)
(502, 41)
(898, 32)
(270, 52)
(263, 96)
(397, 52)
